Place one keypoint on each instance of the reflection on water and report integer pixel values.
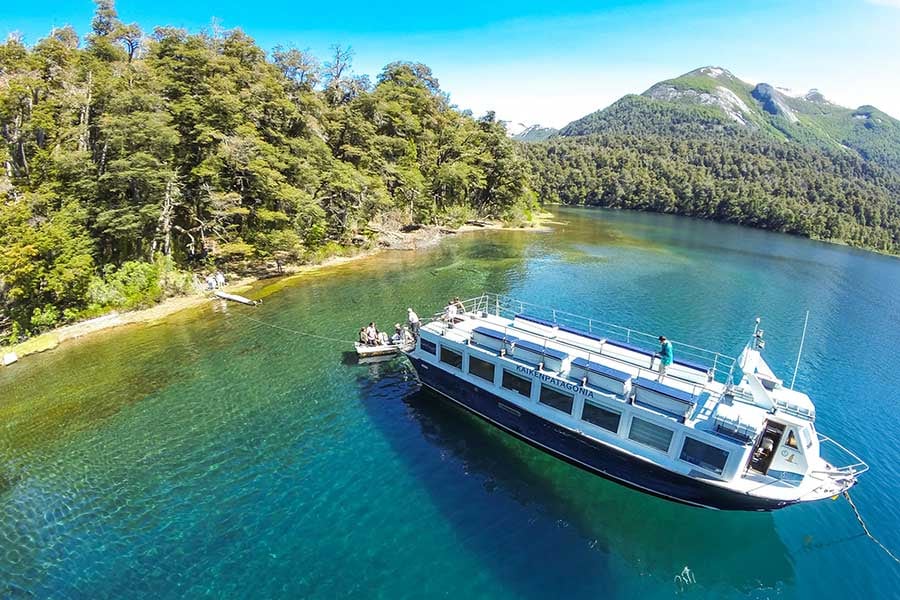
(530, 517)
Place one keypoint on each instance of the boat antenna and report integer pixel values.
(800, 351)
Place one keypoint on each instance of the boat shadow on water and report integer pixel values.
(539, 524)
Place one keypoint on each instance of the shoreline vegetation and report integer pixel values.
(134, 160)
(657, 156)
(417, 239)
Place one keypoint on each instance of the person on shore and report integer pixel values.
(666, 355)
(210, 282)
(413, 319)
(220, 279)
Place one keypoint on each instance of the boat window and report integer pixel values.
(650, 434)
(481, 368)
(607, 419)
(557, 400)
(517, 384)
(451, 357)
(792, 440)
(704, 455)
(427, 346)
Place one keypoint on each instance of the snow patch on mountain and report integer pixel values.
(721, 96)
(715, 72)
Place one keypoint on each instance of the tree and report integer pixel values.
(106, 20)
(135, 156)
(297, 66)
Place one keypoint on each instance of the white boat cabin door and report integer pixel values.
(779, 453)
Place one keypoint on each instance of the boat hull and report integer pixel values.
(583, 452)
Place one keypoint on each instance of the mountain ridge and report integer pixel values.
(809, 119)
(708, 144)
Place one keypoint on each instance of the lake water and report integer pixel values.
(214, 456)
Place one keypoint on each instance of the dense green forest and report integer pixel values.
(645, 154)
(134, 160)
(131, 158)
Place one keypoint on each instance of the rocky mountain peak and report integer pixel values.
(714, 72)
(773, 101)
(815, 95)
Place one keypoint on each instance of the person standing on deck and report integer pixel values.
(666, 355)
(413, 319)
(451, 311)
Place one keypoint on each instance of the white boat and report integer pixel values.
(714, 432)
(366, 350)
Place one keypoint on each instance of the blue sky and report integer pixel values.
(552, 62)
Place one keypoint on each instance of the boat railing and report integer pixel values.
(841, 476)
(721, 367)
(855, 465)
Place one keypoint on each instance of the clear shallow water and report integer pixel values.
(212, 456)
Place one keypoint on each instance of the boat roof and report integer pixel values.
(699, 379)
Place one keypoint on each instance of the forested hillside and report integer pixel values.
(710, 146)
(130, 156)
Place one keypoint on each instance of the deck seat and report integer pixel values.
(492, 338)
(551, 357)
(582, 333)
(629, 346)
(625, 352)
(687, 364)
(664, 397)
(537, 320)
(581, 339)
(538, 349)
(603, 377)
(690, 371)
(594, 367)
(540, 327)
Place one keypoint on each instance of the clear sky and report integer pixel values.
(550, 62)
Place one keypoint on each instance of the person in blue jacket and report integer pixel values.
(666, 355)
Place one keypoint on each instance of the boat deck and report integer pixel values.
(577, 349)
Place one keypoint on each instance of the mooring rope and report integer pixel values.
(294, 331)
(866, 529)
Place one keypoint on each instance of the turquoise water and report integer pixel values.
(212, 456)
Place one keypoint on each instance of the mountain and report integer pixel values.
(715, 99)
(528, 133)
(535, 133)
(710, 145)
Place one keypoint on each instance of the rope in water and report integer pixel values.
(866, 529)
(295, 331)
